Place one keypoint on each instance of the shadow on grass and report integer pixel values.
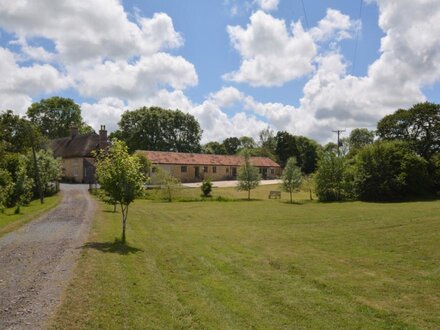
(112, 247)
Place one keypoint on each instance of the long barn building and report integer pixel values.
(191, 167)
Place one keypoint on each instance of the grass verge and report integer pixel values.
(263, 264)
(9, 221)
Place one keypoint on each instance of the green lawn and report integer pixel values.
(9, 221)
(263, 264)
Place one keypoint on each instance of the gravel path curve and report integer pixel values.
(36, 261)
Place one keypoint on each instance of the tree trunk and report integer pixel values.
(249, 195)
(291, 201)
(311, 198)
(114, 208)
(124, 212)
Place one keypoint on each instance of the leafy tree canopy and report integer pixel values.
(231, 144)
(305, 150)
(17, 134)
(159, 129)
(359, 138)
(248, 175)
(389, 170)
(419, 126)
(120, 176)
(54, 117)
(329, 178)
(215, 148)
(292, 177)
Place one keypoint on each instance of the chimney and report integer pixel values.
(103, 140)
(73, 130)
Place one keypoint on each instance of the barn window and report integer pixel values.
(214, 169)
(205, 169)
(183, 169)
(272, 171)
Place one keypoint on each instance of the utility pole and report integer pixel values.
(339, 131)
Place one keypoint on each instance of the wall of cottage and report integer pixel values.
(73, 169)
(188, 173)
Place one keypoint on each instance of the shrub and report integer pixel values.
(6, 188)
(389, 170)
(206, 187)
(329, 179)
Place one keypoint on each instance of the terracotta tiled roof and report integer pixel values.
(78, 146)
(162, 157)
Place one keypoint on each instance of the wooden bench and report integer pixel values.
(274, 194)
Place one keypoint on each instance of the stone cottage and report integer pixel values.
(76, 152)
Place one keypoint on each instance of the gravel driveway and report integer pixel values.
(37, 260)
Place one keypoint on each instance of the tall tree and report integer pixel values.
(305, 150)
(248, 176)
(159, 129)
(291, 177)
(419, 126)
(247, 142)
(231, 144)
(54, 117)
(17, 134)
(285, 147)
(267, 139)
(120, 176)
(359, 138)
(215, 148)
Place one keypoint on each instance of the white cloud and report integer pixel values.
(267, 5)
(88, 29)
(334, 24)
(20, 83)
(271, 55)
(104, 55)
(106, 111)
(141, 79)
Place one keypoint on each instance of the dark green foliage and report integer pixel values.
(214, 148)
(390, 170)
(329, 178)
(359, 138)
(206, 187)
(6, 188)
(54, 117)
(247, 142)
(231, 144)
(159, 129)
(17, 134)
(305, 150)
(419, 126)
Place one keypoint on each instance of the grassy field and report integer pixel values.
(264, 264)
(9, 221)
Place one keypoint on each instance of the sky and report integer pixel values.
(307, 67)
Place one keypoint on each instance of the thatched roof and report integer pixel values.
(76, 146)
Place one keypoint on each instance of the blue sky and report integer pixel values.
(237, 66)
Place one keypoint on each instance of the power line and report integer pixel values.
(353, 68)
(305, 14)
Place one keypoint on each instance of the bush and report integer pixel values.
(330, 180)
(389, 170)
(206, 187)
(6, 188)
